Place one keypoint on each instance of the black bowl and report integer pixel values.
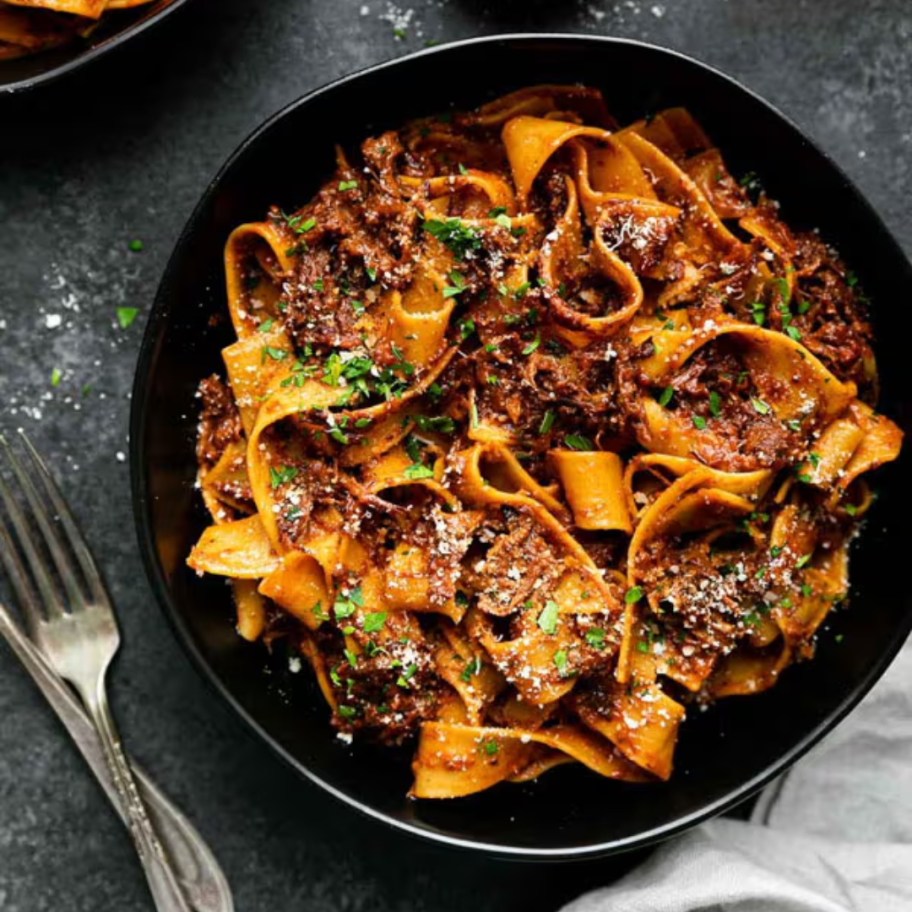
(115, 28)
(724, 754)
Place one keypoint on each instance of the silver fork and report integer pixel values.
(79, 637)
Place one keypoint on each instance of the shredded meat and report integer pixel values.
(220, 422)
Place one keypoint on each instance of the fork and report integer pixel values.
(79, 637)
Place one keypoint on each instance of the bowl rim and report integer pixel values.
(155, 575)
(91, 54)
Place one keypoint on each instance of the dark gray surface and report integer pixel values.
(123, 152)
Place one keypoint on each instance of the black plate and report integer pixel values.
(115, 28)
(725, 753)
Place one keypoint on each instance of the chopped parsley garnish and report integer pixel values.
(814, 459)
(318, 612)
(136, 245)
(337, 434)
(634, 594)
(784, 291)
(496, 211)
(374, 621)
(462, 239)
(547, 422)
(319, 285)
(851, 509)
(417, 470)
(548, 618)
(348, 185)
(472, 668)
(442, 424)
(266, 325)
(126, 316)
(345, 606)
(407, 675)
(560, 661)
(807, 590)
(715, 404)
(458, 286)
(504, 220)
(793, 424)
(281, 475)
(596, 638)
(466, 328)
(371, 273)
(666, 396)
(533, 345)
(522, 291)
(793, 333)
(758, 308)
(760, 406)
(491, 748)
(56, 376)
(578, 442)
(347, 712)
(298, 225)
(277, 354)
(414, 447)
(358, 306)
(802, 561)
(699, 422)
(642, 646)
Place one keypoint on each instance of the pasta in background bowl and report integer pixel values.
(541, 431)
(41, 40)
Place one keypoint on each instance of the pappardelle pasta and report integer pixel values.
(30, 26)
(537, 430)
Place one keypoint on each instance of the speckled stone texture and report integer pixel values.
(122, 152)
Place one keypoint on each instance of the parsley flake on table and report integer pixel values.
(126, 316)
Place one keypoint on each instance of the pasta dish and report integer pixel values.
(538, 430)
(29, 26)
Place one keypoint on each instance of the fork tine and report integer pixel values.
(19, 578)
(74, 537)
(40, 573)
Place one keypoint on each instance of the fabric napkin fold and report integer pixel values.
(834, 834)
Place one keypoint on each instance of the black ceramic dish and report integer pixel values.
(725, 753)
(116, 28)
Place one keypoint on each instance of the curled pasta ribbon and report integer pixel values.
(662, 469)
(791, 382)
(856, 443)
(540, 101)
(703, 230)
(686, 505)
(457, 760)
(531, 141)
(594, 487)
(256, 260)
(491, 474)
(674, 131)
(470, 196)
(563, 257)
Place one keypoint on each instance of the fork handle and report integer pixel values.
(162, 880)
